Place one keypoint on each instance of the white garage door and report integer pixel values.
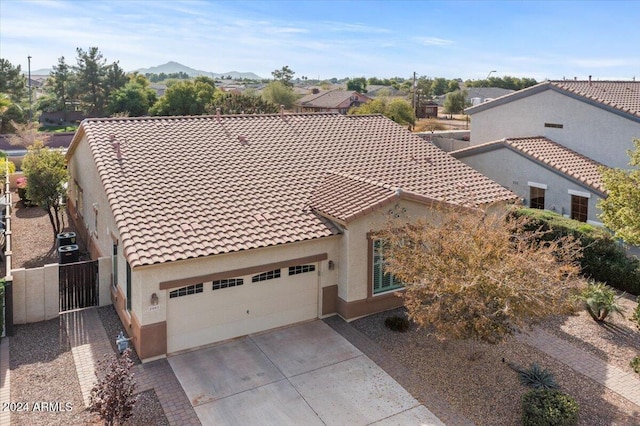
(213, 311)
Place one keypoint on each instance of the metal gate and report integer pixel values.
(78, 285)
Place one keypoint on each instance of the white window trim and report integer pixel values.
(595, 223)
(579, 193)
(537, 185)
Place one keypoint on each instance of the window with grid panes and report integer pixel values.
(382, 282)
(271, 275)
(231, 282)
(184, 291)
(579, 208)
(536, 198)
(301, 269)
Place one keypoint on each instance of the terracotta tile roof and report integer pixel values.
(548, 152)
(621, 95)
(328, 99)
(187, 187)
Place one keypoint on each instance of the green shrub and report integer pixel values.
(548, 407)
(397, 323)
(600, 300)
(603, 259)
(635, 364)
(537, 378)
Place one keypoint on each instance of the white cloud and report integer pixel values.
(434, 41)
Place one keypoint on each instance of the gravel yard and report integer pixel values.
(484, 390)
(487, 391)
(42, 366)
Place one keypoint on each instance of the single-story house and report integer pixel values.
(545, 174)
(221, 226)
(336, 100)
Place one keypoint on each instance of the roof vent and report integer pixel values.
(589, 80)
(281, 111)
(218, 114)
(243, 139)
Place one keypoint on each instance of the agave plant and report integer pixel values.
(601, 300)
(537, 377)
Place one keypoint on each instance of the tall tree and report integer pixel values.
(278, 93)
(59, 84)
(115, 78)
(46, 174)
(133, 100)
(12, 82)
(398, 110)
(471, 275)
(358, 84)
(236, 103)
(284, 75)
(439, 86)
(91, 71)
(455, 102)
(621, 208)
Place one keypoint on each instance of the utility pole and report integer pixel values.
(29, 68)
(414, 90)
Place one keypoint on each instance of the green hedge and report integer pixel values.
(603, 259)
(549, 407)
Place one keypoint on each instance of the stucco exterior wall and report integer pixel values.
(587, 129)
(514, 171)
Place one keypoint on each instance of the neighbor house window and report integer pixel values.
(382, 281)
(114, 264)
(231, 282)
(79, 200)
(271, 275)
(301, 269)
(184, 291)
(536, 198)
(579, 208)
(554, 125)
(128, 286)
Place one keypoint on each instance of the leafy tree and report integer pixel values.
(358, 84)
(452, 86)
(278, 93)
(398, 110)
(472, 275)
(186, 97)
(455, 102)
(284, 75)
(234, 103)
(621, 208)
(439, 86)
(3, 167)
(12, 82)
(133, 100)
(11, 113)
(46, 174)
(115, 78)
(424, 84)
(506, 82)
(59, 84)
(91, 71)
(112, 397)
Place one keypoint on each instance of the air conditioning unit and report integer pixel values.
(66, 238)
(68, 254)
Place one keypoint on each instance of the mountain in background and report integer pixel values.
(173, 67)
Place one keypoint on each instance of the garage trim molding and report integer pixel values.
(166, 285)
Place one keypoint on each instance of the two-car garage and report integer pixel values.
(227, 305)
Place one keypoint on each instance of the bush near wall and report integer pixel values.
(603, 259)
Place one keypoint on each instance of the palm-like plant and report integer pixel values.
(537, 377)
(600, 300)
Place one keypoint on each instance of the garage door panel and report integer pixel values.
(215, 315)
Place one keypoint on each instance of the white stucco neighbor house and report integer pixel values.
(548, 143)
(221, 226)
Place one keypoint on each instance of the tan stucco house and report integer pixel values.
(548, 143)
(221, 226)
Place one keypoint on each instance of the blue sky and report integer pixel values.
(542, 39)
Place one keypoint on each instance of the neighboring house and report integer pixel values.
(330, 101)
(551, 139)
(428, 109)
(221, 226)
(597, 119)
(546, 175)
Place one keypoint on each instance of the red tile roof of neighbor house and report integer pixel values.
(328, 99)
(185, 187)
(619, 96)
(546, 151)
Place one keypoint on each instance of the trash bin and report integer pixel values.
(68, 254)
(66, 238)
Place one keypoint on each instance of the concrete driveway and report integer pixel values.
(306, 374)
